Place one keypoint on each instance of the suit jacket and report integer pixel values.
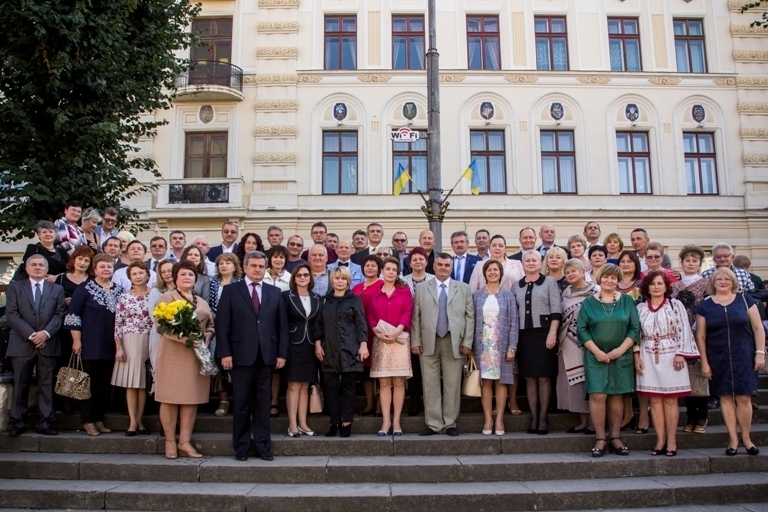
(517, 256)
(23, 320)
(461, 316)
(567, 252)
(242, 334)
(217, 251)
(355, 269)
(360, 255)
(300, 324)
(469, 265)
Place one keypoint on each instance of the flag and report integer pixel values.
(401, 179)
(471, 174)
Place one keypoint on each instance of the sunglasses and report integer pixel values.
(294, 244)
(399, 240)
(302, 275)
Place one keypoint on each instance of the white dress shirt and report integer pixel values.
(248, 282)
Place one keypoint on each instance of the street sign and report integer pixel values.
(404, 134)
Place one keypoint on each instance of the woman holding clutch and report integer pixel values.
(389, 318)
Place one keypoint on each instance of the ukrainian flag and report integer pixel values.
(471, 174)
(401, 179)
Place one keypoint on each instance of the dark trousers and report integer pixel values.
(93, 409)
(22, 375)
(339, 389)
(696, 408)
(251, 397)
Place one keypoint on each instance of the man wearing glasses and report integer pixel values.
(157, 248)
(722, 253)
(400, 247)
(108, 227)
(294, 246)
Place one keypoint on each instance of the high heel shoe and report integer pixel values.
(188, 451)
(753, 450)
(671, 453)
(346, 430)
(293, 434)
(333, 430)
(618, 450)
(659, 451)
(170, 450)
(731, 451)
(599, 452)
(222, 409)
(307, 432)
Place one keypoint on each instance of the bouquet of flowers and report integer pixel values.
(178, 318)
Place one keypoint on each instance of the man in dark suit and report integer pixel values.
(463, 262)
(375, 234)
(547, 235)
(35, 311)
(527, 239)
(252, 341)
(229, 232)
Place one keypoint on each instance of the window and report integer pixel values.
(339, 162)
(624, 44)
(558, 162)
(340, 42)
(408, 42)
(689, 46)
(483, 42)
(700, 166)
(413, 157)
(551, 44)
(216, 39)
(205, 155)
(634, 162)
(487, 150)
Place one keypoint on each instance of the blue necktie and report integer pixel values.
(442, 315)
(38, 297)
(459, 268)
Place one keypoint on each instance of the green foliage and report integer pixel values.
(755, 5)
(80, 81)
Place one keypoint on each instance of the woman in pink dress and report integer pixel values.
(391, 302)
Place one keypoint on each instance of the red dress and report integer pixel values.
(366, 294)
(390, 359)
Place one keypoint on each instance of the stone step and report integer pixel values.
(742, 507)
(376, 469)
(467, 422)
(656, 491)
(366, 445)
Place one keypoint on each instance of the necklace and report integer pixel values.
(489, 292)
(193, 301)
(653, 309)
(613, 305)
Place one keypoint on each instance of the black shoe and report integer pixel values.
(542, 432)
(753, 450)
(452, 431)
(659, 451)
(369, 412)
(241, 456)
(276, 413)
(17, 430)
(267, 456)
(427, 432)
(574, 430)
(532, 431)
(713, 404)
(130, 433)
(143, 432)
(333, 430)
(48, 431)
(346, 430)
(731, 451)
(589, 432)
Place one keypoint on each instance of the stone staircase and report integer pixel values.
(471, 472)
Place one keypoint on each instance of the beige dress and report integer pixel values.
(177, 375)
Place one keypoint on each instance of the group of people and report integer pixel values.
(590, 323)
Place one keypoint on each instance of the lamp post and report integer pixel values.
(435, 207)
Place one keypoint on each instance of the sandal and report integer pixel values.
(618, 450)
(598, 452)
(701, 429)
(102, 428)
(639, 430)
(91, 429)
(223, 408)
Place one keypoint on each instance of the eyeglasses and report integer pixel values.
(294, 244)
(302, 276)
(721, 256)
(653, 257)
(399, 240)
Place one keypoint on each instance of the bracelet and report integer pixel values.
(761, 352)
(511, 350)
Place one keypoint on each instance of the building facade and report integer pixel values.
(633, 113)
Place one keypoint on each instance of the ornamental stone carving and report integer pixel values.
(273, 158)
(279, 3)
(277, 52)
(276, 105)
(521, 79)
(725, 82)
(665, 80)
(309, 79)
(752, 81)
(285, 78)
(594, 80)
(374, 78)
(755, 159)
(277, 26)
(753, 106)
(750, 55)
(754, 133)
(735, 5)
(452, 78)
(275, 130)
(748, 30)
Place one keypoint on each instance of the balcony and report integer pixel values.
(203, 193)
(210, 80)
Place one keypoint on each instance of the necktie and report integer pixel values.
(38, 297)
(255, 298)
(459, 268)
(154, 266)
(442, 315)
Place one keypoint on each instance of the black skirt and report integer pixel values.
(534, 359)
(302, 363)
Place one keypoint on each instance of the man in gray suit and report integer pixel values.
(442, 328)
(34, 310)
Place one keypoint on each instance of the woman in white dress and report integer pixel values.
(666, 342)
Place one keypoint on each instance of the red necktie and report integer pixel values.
(255, 298)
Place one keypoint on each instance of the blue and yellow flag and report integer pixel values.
(401, 180)
(471, 174)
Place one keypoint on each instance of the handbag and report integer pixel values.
(472, 380)
(72, 381)
(403, 338)
(699, 385)
(316, 402)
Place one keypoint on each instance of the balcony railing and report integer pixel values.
(197, 193)
(212, 72)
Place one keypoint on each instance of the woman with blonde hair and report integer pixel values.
(614, 245)
(554, 265)
(577, 246)
(89, 220)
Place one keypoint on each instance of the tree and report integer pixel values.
(80, 82)
(754, 5)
